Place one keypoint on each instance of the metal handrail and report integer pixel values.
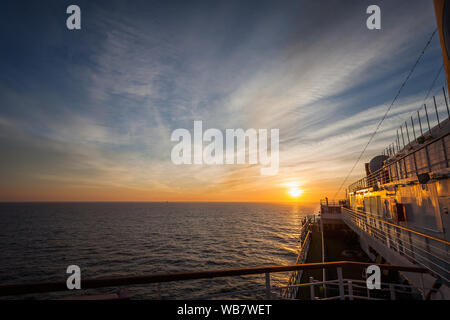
(383, 236)
(330, 203)
(368, 215)
(303, 247)
(383, 174)
(17, 289)
(430, 256)
(414, 255)
(350, 283)
(395, 147)
(411, 241)
(338, 282)
(301, 255)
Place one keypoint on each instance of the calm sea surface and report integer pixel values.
(39, 241)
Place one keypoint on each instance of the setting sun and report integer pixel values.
(295, 192)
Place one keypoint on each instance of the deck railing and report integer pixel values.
(427, 251)
(296, 275)
(431, 156)
(351, 289)
(271, 292)
(330, 203)
(418, 128)
(420, 148)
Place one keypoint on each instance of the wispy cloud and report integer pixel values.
(104, 120)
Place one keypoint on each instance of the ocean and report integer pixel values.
(38, 241)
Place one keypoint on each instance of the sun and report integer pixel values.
(295, 192)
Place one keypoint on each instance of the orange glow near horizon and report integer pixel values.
(249, 189)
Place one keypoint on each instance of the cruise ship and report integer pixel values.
(396, 217)
(398, 213)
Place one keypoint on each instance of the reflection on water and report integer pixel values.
(39, 241)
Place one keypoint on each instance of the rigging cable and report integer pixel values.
(434, 82)
(387, 111)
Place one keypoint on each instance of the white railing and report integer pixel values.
(305, 239)
(338, 289)
(297, 274)
(351, 289)
(430, 252)
(418, 152)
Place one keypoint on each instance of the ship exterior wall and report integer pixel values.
(426, 205)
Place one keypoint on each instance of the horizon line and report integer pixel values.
(150, 201)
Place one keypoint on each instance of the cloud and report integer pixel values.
(313, 71)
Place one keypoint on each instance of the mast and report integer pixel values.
(442, 9)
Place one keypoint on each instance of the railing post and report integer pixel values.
(406, 169)
(403, 138)
(414, 130)
(428, 120)
(311, 287)
(422, 282)
(396, 171)
(268, 295)
(350, 289)
(437, 114)
(159, 290)
(392, 290)
(341, 283)
(407, 132)
(420, 122)
(411, 247)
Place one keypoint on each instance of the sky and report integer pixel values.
(87, 115)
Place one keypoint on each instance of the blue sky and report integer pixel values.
(87, 115)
